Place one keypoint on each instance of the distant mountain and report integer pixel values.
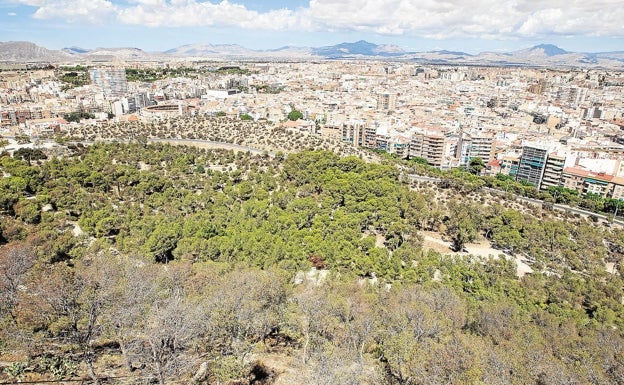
(542, 50)
(539, 55)
(359, 48)
(439, 57)
(455, 53)
(126, 53)
(24, 51)
(75, 50)
(616, 55)
(548, 50)
(210, 50)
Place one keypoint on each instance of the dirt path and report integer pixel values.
(483, 248)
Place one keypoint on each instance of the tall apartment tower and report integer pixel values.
(473, 146)
(553, 170)
(112, 80)
(435, 146)
(358, 133)
(386, 101)
(532, 165)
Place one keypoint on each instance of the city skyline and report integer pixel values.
(414, 25)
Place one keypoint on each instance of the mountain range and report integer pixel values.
(539, 55)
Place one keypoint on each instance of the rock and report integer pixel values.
(202, 372)
(47, 208)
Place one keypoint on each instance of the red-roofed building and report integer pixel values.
(585, 182)
(493, 167)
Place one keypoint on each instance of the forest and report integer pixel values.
(134, 263)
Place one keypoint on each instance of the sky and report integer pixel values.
(471, 26)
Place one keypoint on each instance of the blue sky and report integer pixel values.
(420, 25)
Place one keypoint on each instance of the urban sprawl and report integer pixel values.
(546, 127)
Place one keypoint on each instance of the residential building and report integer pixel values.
(436, 146)
(553, 170)
(509, 165)
(386, 101)
(617, 190)
(587, 182)
(473, 146)
(532, 164)
(112, 81)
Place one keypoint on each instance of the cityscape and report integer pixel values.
(312, 192)
(547, 127)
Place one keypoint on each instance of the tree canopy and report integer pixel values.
(156, 262)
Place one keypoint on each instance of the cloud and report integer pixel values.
(73, 11)
(499, 19)
(476, 18)
(12, 14)
(184, 13)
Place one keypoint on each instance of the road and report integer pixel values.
(193, 142)
(213, 144)
(533, 201)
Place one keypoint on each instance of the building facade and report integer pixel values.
(532, 165)
(112, 81)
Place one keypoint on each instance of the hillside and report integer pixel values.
(164, 264)
(540, 55)
(23, 51)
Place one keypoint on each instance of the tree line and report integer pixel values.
(166, 263)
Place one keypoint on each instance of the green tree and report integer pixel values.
(476, 165)
(163, 240)
(461, 225)
(295, 115)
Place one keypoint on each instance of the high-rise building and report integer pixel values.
(552, 171)
(473, 146)
(435, 146)
(358, 133)
(112, 80)
(433, 149)
(386, 101)
(532, 164)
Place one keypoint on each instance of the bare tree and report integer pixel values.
(15, 261)
(129, 296)
(171, 326)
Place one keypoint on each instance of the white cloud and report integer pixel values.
(178, 13)
(425, 18)
(12, 14)
(78, 11)
(476, 18)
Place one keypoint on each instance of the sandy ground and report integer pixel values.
(483, 248)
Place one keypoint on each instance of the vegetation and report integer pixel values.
(295, 115)
(152, 74)
(220, 128)
(476, 165)
(76, 76)
(232, 70)
(171, 264)
(78, 116)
